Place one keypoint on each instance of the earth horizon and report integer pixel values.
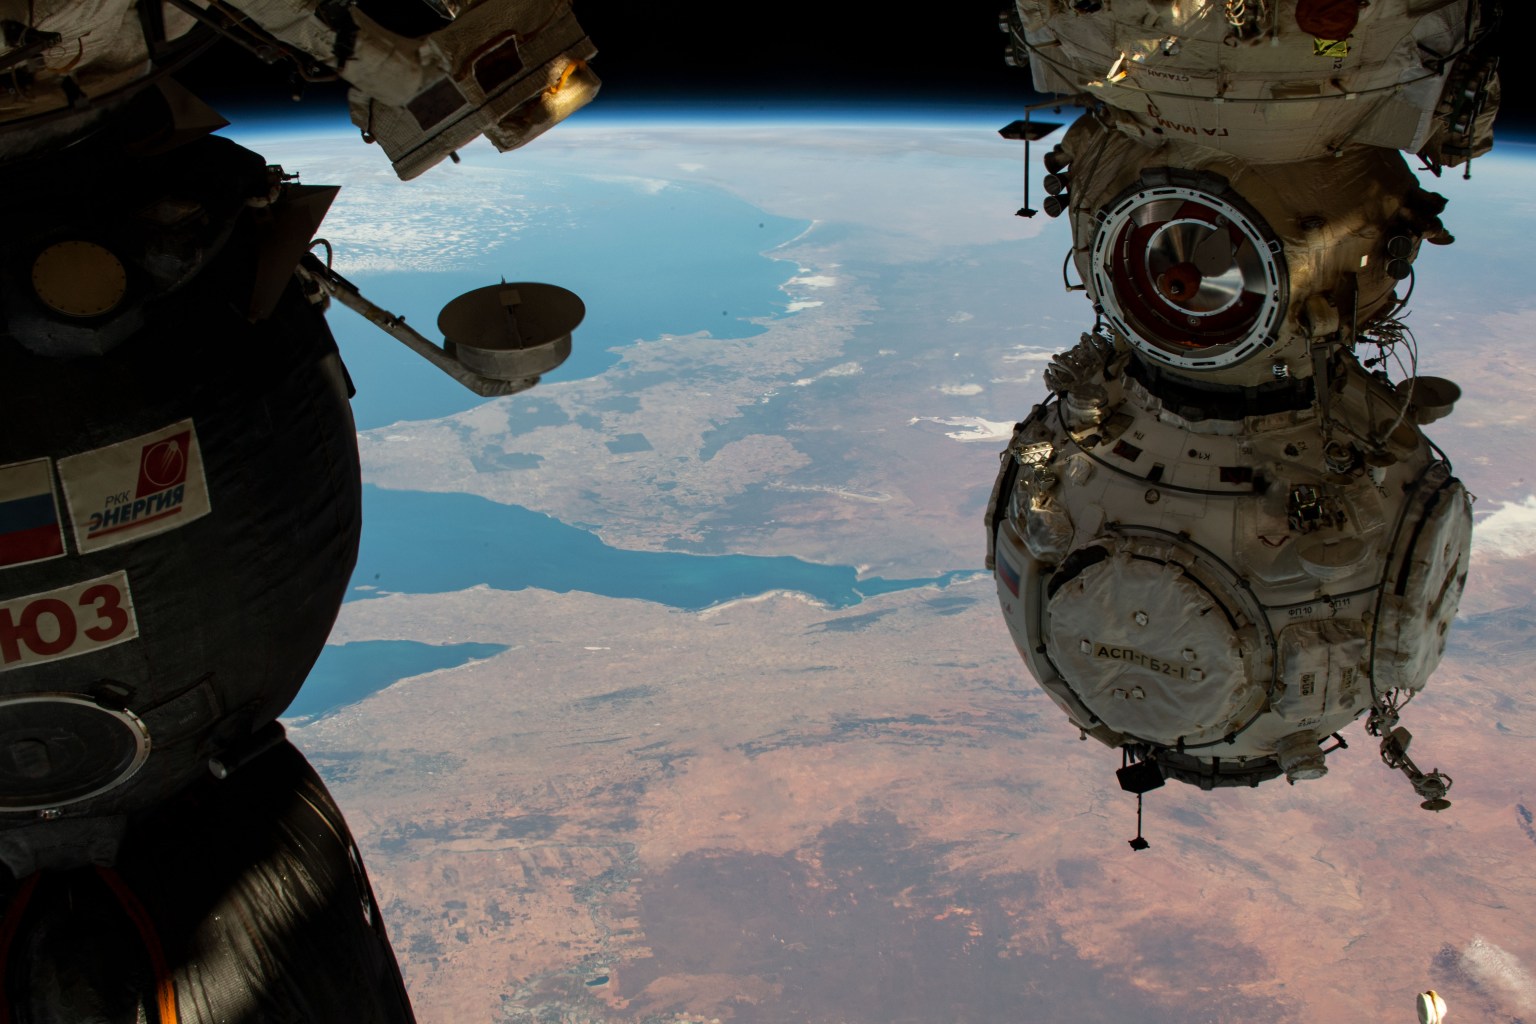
(599, 773)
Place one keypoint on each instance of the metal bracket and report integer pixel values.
(1432, 786)
(509, 338)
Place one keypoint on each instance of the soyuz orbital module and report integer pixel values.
(1224, 536)
(180, 499)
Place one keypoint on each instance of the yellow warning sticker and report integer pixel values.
(1330, 47)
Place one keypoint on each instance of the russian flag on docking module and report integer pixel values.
(29, 514)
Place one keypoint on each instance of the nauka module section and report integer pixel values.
(1224, 535)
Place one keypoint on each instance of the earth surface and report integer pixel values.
(672, 689)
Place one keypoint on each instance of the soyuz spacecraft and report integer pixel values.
(1224, 535)
(180, 494)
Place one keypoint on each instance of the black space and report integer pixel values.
(832, 53)
(802, 51)
(689, 51)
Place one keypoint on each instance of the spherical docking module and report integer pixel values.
(1221, 596)
(1224, 536)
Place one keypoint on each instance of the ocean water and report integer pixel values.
(681, 259)
(420, 542)
(346, 673)
(648, 259)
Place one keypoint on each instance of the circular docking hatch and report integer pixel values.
(58, 749)
(1155, 648)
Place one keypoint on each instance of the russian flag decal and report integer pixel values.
(1009, 574)
(30, 530)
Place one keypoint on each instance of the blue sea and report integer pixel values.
(683, 259)
(346, 673)
(679, 259)
(473, 541)
(419, 542)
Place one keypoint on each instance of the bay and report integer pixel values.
(421, 542)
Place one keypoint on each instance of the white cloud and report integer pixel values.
(1509, 531)
(960, 318)
(1497, 970)
(975, 428)
(646, 186)
(1023, 354)
(840, 370)
(961, 389)
(813, 280)
(799, 304)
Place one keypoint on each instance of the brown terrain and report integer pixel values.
(701, 819)
(771, 811)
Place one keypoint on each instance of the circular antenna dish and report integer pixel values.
(511, 331)
(1432, 397)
